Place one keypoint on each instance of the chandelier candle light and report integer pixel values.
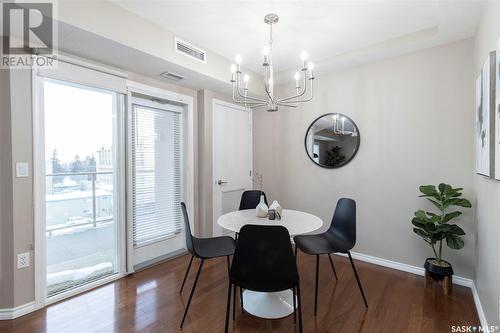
(271, 102)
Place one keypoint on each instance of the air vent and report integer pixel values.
(172, 76)
(190, 50)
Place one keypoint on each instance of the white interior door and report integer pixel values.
(232, 158)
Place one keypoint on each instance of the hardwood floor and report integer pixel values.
(149, 301)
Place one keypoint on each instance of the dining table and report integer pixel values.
(270, 305)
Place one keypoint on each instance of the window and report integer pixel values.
(156, 172)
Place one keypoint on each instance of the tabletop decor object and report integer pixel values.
(276, 206)
(261, 210)
(436, 227)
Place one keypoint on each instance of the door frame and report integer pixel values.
(187, 104)
(40, 246)
(216, 102)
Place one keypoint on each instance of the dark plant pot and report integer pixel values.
(438, 272)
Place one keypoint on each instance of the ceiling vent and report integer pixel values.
(189, 50)
(172, 76)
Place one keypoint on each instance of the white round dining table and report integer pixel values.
(270, 305)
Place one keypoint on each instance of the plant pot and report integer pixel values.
(438, 272)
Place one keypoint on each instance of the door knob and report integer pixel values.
(220, 182)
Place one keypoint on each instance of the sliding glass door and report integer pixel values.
(108, 179)
(81, 213)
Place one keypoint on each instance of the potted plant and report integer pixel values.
(435, 228)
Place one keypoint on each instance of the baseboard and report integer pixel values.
(159, 260)
(8, 314)
(479, 307)
(458, 280)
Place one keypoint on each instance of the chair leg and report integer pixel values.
(300, 308)
(316, 288)
(357, 279)
(228, 266)
(294, 307)
(187, 272)
(295, 252)
(234, 301)
(241, 299)
(192, 292)
(228, 307)
(331, 263)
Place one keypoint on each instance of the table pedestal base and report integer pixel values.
(268, 305)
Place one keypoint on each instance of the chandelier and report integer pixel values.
(302, 77)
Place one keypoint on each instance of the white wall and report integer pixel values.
(414, 116)
(487, 191)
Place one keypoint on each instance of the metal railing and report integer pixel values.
(94, 224)
(93, 179)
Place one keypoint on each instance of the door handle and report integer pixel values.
(220, 182)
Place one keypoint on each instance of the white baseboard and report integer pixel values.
(7, 314)
(479, 307)
(458, 280)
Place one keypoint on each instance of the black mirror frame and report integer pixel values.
(357, 146)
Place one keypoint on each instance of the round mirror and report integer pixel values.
(332, 140)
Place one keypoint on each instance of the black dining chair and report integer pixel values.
(203, 248)
(250, 199)
(263, 261)
(339, 238)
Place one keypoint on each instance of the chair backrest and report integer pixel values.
(250, 199)
(344, 221)
(263, 259)
(187, 229)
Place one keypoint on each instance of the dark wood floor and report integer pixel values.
(149, 301)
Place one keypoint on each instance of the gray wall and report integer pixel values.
(487, 191)
(6, 226)
(414, 116)
(22, 188)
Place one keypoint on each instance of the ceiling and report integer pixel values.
(88, 46)
(325, 29)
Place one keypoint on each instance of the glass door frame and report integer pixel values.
(39, 174)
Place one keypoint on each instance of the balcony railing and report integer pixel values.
(92, 178)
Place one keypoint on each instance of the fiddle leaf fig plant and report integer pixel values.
(435, 227)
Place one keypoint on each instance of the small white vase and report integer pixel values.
(277, 207)
(261, 210)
